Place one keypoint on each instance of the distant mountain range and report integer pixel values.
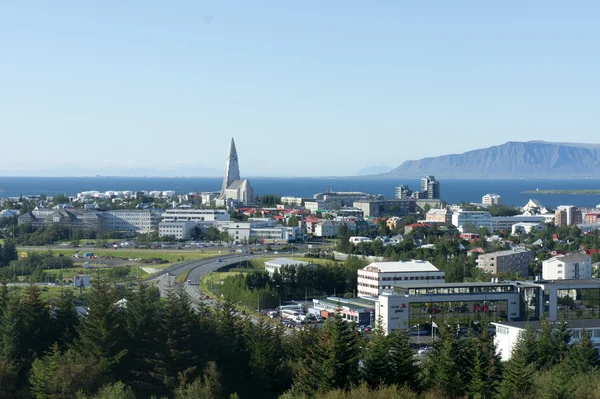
(532, 159)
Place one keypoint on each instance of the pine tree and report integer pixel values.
(376, 368)
(442, 369)
(517, 379)
(402, 366)
(582, 356)
(36, 322)
(332, 363)
(207, 387)
(265, 357)
(486, 370)
(8, 379)
(180, 327)
(145, 340)
(101, 333)
(64, 320)
(232, 355)
(43, 373)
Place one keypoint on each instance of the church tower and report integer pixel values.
(232, 169)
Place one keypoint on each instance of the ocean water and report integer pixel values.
(452, 190)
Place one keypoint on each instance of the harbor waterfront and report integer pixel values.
(513, 192)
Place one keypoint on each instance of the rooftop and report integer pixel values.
(570, 258)
(286, 261)
(402, 266)
(584, 323)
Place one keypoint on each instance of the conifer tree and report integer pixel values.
(265, 357)
(232, 349)
(332, 363)
(442, 369)
(486, 369)
(518, 371)
(8, 378)
(102, 333)
(36, 323)
(582, 356)
(43, 373)
(145, 341)
(207, 387)
(180, 327)
(64, 320)
(376, 368)
(402, 366)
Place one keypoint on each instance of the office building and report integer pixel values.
(442, 216)
(474, 219)
(507, 333)
(516, 261)
(195, 215)
(380, 277)
(379, 208)
(567, 267)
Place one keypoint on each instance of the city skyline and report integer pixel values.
(150, 89)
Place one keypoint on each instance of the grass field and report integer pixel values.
(259, 263)
(214, 279)
(170, 256)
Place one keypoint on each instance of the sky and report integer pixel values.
(306, 88)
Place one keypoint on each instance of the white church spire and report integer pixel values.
(232, 168)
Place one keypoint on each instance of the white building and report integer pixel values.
(381, 277)
(507, 333)
(265, 229)
(291, 201)
(507, 222)
(141, 221)
(567, 267)
(491, 199)
(196, 215)
(478, 219)
(275, 264)
(526, 228)
(180, 230)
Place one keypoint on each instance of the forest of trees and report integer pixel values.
(257, 288)
(148, 347)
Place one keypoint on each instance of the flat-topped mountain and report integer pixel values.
(532, 159)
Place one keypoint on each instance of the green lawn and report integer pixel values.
(214, 279)
(259, 263)
(170, 255)
(65, 252)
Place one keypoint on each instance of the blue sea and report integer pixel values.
(452, 190)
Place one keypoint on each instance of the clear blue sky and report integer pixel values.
(306, 88)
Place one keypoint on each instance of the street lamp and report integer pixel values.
(279, 295)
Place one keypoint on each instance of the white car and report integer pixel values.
(424, 351)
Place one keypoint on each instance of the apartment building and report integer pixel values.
(567, 215)
(516, 261)
(443, 216)
(567, 267)
(491, 199)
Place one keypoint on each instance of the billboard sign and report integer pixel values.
(81, 281)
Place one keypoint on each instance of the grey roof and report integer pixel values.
(286, 261)
(571, 258)
(584, 323)
(235, 184)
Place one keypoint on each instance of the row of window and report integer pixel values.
(405, 278)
